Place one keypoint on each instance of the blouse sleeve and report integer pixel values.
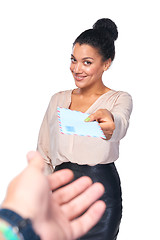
(121, 112)
(43, 146)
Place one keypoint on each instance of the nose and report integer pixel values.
(77, 68)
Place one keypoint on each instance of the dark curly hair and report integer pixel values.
(101, 36)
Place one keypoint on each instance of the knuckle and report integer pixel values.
(99, 110)
(113, 126)
(100, 113)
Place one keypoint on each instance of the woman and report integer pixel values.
(93, 53)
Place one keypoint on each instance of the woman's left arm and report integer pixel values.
(115, 122)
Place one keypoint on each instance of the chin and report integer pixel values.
(78, 83)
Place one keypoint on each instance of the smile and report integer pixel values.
(79, 78)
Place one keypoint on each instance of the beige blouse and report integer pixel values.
(57, 148)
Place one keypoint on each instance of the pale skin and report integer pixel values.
(87, 68)
(57, 215)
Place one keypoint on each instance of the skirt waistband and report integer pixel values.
(85, 166)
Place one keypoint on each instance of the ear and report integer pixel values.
(107, 64)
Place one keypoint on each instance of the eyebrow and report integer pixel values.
(82, 58)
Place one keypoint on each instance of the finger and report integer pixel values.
(108, 129)
(97, 116)
(108, 126)
(107, 136)
(91, 118)
(79, 204)
(72, 190)
(60, 178)
(83, 224)
(35, 159)
(101, 115)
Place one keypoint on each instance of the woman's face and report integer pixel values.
(87, 66)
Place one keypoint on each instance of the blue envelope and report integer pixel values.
(72, 122)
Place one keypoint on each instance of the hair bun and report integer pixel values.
(108, 25)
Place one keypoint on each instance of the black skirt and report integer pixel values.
(107, 228)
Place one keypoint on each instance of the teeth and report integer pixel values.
(77, 77)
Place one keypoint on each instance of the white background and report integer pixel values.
(35, 45)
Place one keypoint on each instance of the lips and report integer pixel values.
(79, 77)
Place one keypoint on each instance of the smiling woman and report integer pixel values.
(87, 67)
(93, 52)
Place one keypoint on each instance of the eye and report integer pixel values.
(87, 63)
(73, 60)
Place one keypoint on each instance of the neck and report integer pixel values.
(96, 90)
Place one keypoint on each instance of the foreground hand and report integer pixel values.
(106, 121)
(56, 215)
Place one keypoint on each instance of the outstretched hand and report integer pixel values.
(56, 213)
(105, 120)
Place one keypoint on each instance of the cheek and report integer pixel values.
(92, 71)
(71, 67)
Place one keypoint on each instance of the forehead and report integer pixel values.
(84, 51)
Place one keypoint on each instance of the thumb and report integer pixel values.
(90, 118)
(35, 159)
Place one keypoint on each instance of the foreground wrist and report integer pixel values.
(21, 227)
(8, 232)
